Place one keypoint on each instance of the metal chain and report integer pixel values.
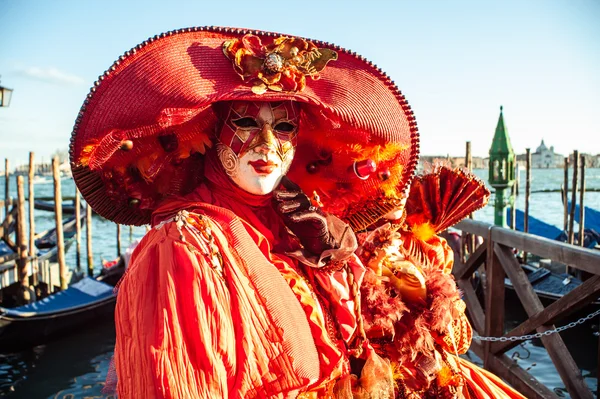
(540, 334)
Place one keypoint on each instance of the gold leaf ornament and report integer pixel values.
(281, 65)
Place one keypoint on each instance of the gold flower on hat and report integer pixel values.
(279, 66)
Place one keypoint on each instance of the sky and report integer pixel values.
(456, 62)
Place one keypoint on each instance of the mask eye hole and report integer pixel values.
(245, 123)
(285, 127)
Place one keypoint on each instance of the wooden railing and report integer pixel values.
(497, 254)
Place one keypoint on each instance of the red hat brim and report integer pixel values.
(142, 131)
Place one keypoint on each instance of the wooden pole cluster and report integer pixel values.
(78, 228)
(527, 195)
(22, 261)
(60, 239)
(88, 239)
(31, 203)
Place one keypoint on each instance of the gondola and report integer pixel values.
(68, 207)
(87, 301)
(47, 239)
(548, 285)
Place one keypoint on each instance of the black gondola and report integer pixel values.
(85, 302)
(68, 207)
(47, 239)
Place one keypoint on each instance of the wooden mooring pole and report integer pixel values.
(22, 261)
(517, 178)
(515, 193)
(581, 204)
(60, 239)
(565, 197)
(88, 239)
(118, 240)
(469, 165)
(31, 203)
(6, 187)
(78, 228)
(527, 195)
(573, 198)
(468, 157)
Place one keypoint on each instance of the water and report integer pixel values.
(76, 366)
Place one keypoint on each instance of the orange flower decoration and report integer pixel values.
(280, 66)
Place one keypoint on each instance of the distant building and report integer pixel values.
(454, 162)
(546, 158)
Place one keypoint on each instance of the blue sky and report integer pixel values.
(456, 61)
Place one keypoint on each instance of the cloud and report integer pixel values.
(51, 75)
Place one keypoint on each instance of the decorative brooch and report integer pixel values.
(280, 66)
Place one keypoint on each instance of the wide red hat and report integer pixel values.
(142, 133)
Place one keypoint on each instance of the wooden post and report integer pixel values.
(60, 239)
(31, 204)
(517, 179)
(573, 198)
(130, 234)
(469, 165)
(118, 240)
(494, 299)
(564, 198)
(513, 210)
(22, 262)
(78, 228)
(468, 157)
(88, 239)
(527, 195)
(581, 204)
(6, 187)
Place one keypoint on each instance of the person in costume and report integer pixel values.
(244, 287)
(412, 311)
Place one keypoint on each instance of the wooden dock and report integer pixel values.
(495, 258)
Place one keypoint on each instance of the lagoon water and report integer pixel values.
(76, 366)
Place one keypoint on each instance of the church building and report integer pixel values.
(545, 158)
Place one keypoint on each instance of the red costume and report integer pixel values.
(242, 288)
(246, 287)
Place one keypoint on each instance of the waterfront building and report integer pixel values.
(545, 158)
